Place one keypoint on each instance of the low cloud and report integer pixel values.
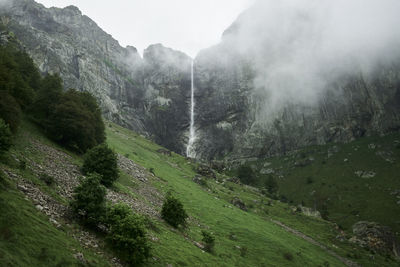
(299, 46)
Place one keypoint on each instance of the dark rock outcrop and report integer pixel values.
(375, 237)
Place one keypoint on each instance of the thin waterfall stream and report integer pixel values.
(192, 134)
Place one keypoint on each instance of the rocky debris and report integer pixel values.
(199, 180)
(239, 203)
(79, 256)
(371, 146)
(150, 197)
(131, 168)
(267, 171)
(206, 171)
(199, 245)
(57, 165)
(386, 156)
(267, 164)
(164, 152)
(42, 202)
(375, 237)
(308, 211)
(87, 239)
(365, 174)
(219, 166)
(138, 205)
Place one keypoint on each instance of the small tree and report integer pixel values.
(209, 241)
(116, 213)
(102, 160)
(10, 110)
(172, 212)
(89, 200)
(5, 137)
(271, 185)
(246, 174)
(128, 237)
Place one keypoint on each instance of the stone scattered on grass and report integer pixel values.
(365, 174)
(239, 203)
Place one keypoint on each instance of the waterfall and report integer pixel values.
(192, 135)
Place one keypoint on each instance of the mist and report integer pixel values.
(297, 47)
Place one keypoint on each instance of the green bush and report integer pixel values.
(172, 212)
(76, 122)
(271, 185)
(246, 174)
(102, 160)
(208, 240)
(89, 200)
(49, 180)
(128, 237)
(10, 111)
(5, 137)
(116, 213)
(288, 256)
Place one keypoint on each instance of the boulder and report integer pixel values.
(365, 174)
(309, 212)
(206, 171)
(375, 237)
(239, 203)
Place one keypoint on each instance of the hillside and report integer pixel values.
(28, 201)
(352, 182)
(263, 97)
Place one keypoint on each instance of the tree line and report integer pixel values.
(69, 117)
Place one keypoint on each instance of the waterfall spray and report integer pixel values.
(192, 135)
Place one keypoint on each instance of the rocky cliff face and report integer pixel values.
(242, 109)
(264, 91)
(148, 95)
(231, 117)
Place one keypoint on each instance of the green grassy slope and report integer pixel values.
(27, 238)
(209, 207)
(331, 173)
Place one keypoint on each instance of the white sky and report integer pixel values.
(185, 25)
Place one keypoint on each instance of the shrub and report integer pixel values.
(22, 164)
(102, 160)
(10, 110)
(209, 241)
(5, 137)
(243, 251)
(49, 180)
(246, 174)
(116, 213)
(172, 212)
(271, 185)
(288, 256)
(89, 200)
(76, 122)
(128, 237)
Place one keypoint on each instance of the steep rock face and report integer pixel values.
(231, 118)
(167, 85)
(250, 103)
(148, 95)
